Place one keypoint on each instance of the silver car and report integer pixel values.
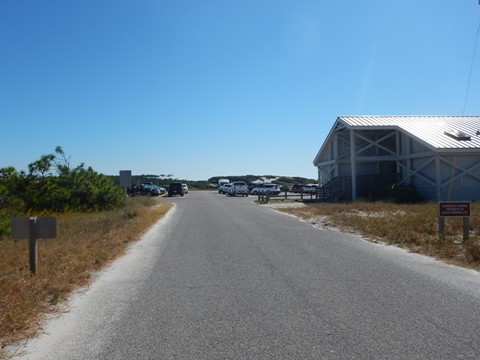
(272, 189)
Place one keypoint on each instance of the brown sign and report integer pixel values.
(45, 227)
(454, 208)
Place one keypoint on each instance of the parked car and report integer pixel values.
(145, 190)
(222, 182)
(256, 189)
(175, 188)
(310, 188)
(272, 189)
(155, 188)
(224, 188)
(296, 188)
(253, 185)
(185, 188)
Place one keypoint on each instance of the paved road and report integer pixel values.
(224, 278)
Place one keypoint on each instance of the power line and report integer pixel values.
(471, 68)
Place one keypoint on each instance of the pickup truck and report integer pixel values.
(238, 188)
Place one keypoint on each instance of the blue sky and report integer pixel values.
(209, 88)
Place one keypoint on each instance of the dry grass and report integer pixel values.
(86, 242)
(414, 227)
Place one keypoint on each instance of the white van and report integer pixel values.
(222, 182)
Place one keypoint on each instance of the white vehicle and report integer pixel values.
(257, 189)
(310, 188)
(224, 188)
(238, 188)
(272, 189)
(185, 188)
(222, 182)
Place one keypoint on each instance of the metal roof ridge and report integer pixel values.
(390, 116)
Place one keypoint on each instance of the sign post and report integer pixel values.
(32, 244)
(454, 208)
(126, 181)
(33, 228)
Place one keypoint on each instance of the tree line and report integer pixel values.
(51, 184)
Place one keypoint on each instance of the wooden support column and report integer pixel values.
(438, 179)
(353, 160)
(398, 151)
(335, 155)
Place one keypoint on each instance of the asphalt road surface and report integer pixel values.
(224, 278)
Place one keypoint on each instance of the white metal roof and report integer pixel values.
(428, 129)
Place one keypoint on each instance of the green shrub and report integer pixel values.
(52, 185)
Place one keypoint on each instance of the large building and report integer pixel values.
(364, 156)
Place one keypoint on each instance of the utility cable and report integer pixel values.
(471, 69)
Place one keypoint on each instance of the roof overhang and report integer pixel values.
(426, 130)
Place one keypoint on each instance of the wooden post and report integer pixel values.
(126, 200)
(125, 181)
(466, 230)
(32, 245)
(441, 226)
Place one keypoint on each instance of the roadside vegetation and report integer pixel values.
(92, 231)
(411, 226)
(53, 185)
(86, 242)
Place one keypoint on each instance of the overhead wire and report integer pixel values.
(471, 68)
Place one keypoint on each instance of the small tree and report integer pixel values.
(52, 185)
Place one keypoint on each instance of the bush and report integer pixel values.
(51, 185)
